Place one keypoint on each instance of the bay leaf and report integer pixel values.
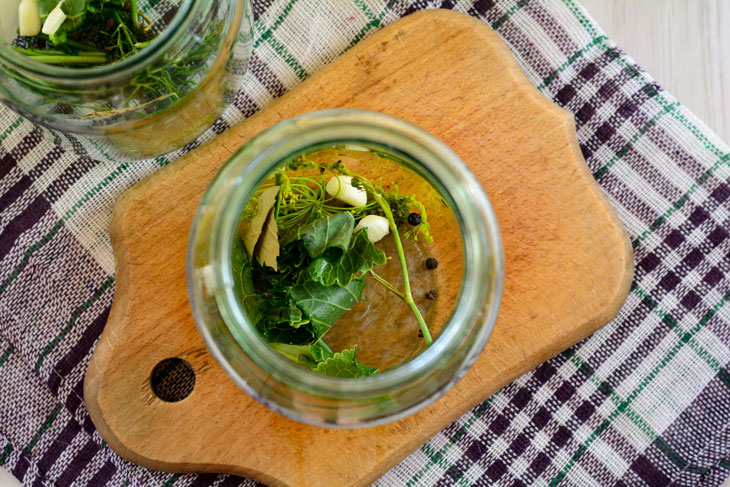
(250, 230)
(267, 248)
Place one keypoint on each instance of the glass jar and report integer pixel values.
(129, 109)
(297, 392)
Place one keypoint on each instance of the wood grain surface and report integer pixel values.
(568, 260)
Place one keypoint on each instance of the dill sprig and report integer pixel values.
(303, 197)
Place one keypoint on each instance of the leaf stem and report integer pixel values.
(408, 297)
(38, 52)
(70, 59)
(387, 285)
(80, 45)
(322, 344)
(34, 53)
(133, 10)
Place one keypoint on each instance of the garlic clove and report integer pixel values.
(341, 188)
(54, 20)
(29, 20)
(378, 227)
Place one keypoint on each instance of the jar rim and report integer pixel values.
(482, 277)
(107, 72)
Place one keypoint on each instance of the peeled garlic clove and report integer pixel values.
(341, 188)
(377, 226)
(54, 20)
(29, 20)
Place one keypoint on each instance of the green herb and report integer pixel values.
(330, 234)
(175, 75)
(343, 364)
(324, 305)
(99, 32)
(108, 28)
(304, 198)
(360, 257)
(319, 273)
(75, 11)
(323, 361)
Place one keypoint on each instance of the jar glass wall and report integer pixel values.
(151, 102)
(281, 384)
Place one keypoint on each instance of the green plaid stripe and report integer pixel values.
(74, 316)
(6, 354)
(43, 428)
(5, 453)
(437, 456)
(724, 158)
(6, 133)
(374, 23)
(57, 227)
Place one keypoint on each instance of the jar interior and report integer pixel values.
(131, 85)
(381, 325)
(155, 15)
(160, 14)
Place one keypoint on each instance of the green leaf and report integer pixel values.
(324, 305)
(253, 303)
(75, 11)
(60, 37)
(360, 257)
(322, 361)
(279, 332)
(343, 364)
(293, 315)
(329, 236)
(365, 370)
(45, 7)
(309, 355)
(275, 285)
(319, 353)
(293, 258)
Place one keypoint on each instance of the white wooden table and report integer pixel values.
(684, 44)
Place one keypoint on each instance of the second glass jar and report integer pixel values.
(149, 103)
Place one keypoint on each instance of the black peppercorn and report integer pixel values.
(431, 294)
(420, 334)
(431, 263)
(414, 219)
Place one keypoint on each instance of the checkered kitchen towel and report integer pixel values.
(645, 401)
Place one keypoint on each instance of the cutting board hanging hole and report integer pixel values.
(173, 379)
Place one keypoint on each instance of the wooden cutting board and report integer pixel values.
(568, 262)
